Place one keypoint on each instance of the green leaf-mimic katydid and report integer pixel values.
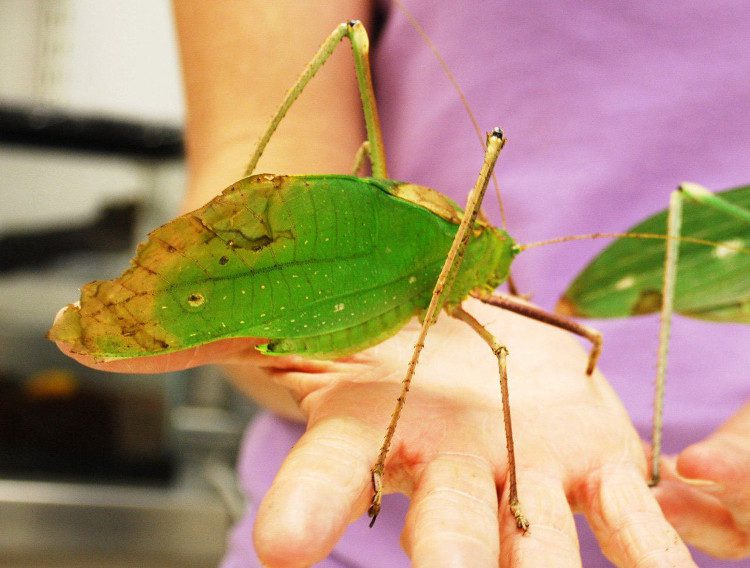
(320, 265)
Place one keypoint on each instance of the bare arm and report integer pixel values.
(238, 59)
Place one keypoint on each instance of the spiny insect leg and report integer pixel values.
(501, 352)
(495, 143)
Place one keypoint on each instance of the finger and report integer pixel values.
(723, 458)
(627, 520)
(452, 520)
(227, 352)
(551, 539)
(700, 518)
(323, 484)
(222, 351)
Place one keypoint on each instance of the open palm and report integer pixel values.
(576, 449)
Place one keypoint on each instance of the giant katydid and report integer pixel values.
(291, 259)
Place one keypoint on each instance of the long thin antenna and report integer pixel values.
(591, 236)
(464, 101)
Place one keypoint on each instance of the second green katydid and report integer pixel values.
(320, 265)
(632, 278)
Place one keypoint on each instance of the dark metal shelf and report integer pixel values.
(59, 129)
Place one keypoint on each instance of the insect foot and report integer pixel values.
(521, 521)
(377, 485)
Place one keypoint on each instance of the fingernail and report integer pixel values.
(706, 484)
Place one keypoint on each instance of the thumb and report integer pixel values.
(225, 351)
(724, 458)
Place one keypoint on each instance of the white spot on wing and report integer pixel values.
(625, 283)
(728, 248)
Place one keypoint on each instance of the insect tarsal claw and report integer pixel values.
(521, 521)
(377, 498)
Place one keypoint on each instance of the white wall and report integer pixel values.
(115, 57)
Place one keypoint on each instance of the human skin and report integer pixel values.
(712, 512)
(577, 450)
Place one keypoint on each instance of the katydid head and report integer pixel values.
(486, 263)
(497, 133)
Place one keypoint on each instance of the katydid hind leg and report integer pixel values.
(701, 195)
(357, 35)
(501, 352)
(363, 153)
(495, 143)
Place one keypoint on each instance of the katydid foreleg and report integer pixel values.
(495, 143)
(671, 259)
(525, 309)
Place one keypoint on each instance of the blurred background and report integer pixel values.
(97, 469)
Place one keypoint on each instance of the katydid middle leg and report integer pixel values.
(501, 352)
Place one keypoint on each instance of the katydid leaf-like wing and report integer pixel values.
(713, 282)
(318, 265)
(272, 256)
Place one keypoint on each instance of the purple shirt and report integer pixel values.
(607, 107)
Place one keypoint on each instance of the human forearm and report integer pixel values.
(238, 60)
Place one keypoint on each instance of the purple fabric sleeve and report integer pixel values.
(607, 107)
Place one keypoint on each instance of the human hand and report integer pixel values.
(712, 510)
(575, 448)
(574, 445)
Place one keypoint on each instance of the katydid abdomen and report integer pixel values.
(320, 265)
